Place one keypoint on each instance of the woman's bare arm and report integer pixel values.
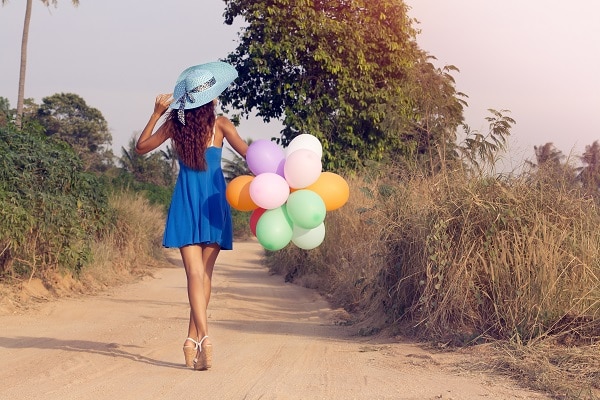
(149, 141)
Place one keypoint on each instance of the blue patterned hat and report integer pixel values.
(201, 84)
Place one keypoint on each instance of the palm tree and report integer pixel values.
(236, 166)
(547, 155)
(133, 162)
(25, 38)
(150, 168)
(590, 173)
(551, 167)
(170, 155)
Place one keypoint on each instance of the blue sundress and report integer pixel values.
(199, 212)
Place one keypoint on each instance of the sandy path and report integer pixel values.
(271, 341)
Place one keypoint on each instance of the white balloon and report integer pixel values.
(308, 239)
(305, 141)
(301, 169)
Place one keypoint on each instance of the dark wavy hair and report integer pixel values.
(191, 140)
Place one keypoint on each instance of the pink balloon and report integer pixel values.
(302, 168)
(269, 190)
(264, 156)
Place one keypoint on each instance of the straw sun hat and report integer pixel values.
(201, 84)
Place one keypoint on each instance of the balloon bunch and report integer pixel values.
(289, 194)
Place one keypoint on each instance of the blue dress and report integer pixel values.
(199, 212)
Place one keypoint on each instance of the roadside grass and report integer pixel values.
(133, 246)
(130, 247)
(566, 371)
(465, 261)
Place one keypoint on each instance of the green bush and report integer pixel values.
(50, 210)
(156, 194)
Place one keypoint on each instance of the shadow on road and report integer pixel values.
(85, 346)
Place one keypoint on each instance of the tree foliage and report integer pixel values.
(67, 116)
(589, 174)
(152, 168)
(50, 209)
(552, 168)
(235, 166)
(547, 154)
(5, 114)
(336, 69)
(170, 156)
(428, 137)
(481, 150)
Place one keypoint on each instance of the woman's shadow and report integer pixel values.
(85, 346)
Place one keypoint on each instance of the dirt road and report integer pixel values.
(271, 340)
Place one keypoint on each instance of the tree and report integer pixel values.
(547, 156)
(170, 155)
(331, 68)
(67, 116)
(551, 167)
(4, 111)
(481, 150)
(147, 168)
(235, 166)
(130, 161)
(589, 174)
(430, 136)
(24, 40)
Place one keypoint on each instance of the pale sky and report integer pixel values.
(537, 58)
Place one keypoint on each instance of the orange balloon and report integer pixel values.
(238, 193)
(332, 188)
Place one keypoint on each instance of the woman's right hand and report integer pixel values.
(162, 103)
(149, 141)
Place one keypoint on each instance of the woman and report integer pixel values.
(199, 219)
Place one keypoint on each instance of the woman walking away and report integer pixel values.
(199, 217)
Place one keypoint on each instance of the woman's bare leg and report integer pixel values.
(195, 273)
(209, 257)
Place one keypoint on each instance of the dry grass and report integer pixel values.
(565, 372)
(462, 260)
(133, 247)
(349, 258)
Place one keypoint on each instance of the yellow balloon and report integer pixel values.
(238, 193)
(332, 188)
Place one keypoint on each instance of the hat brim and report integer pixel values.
(224, 74)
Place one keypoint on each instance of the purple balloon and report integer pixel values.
(264, 156)
(281, 169)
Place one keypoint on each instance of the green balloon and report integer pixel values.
(274, 229)
(306, 208)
